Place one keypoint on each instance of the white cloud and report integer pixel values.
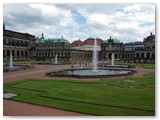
(127, 22)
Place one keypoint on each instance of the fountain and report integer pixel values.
(11, 63)
(12, 67)
(115, 65)
(81, 65)
(94, 72)
(56, 62)
(112, 63)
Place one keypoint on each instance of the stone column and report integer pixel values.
(145, 54)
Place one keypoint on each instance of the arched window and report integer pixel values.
(13, 53)
(13, 42)
(21, 43)
(122, 55)
(17, 53)
(26, 54)
(153, 55)
(49, 54)
(110, 54)
(8, 53)
(17, 43)
(116, 56)
(22, 53)
(137, 55)
(148, 55)
(142, 55)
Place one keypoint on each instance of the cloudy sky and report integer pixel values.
(126, 22)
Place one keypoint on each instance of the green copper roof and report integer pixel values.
(105, 41)
(52, 40)
(114, 41)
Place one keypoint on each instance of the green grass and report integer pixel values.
(90, 97)
(142, 65)
(17, 61)
(22, 62)
(29, 62)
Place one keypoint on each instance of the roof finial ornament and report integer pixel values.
(151, 33)
(42, 37)
(3, 26)
(110, 37)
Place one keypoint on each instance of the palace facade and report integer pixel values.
(27, 46)
(19, 44)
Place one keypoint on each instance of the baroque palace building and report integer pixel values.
(60, 47)
(27, 46)
(111, 46)
(19, 44)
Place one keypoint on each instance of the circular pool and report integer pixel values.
(90, 73)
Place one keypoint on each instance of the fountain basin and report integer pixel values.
(120, 66)
(7, 68)
(116, 66)
(85, 73)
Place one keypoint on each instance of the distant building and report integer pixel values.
(111, 46)
(49, 48)
(132, 46)
(87, 45)
(19, 44)
(143, 52)
(26, 46)
(77, 45)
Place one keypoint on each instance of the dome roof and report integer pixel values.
(151, 37)
(114, 41)
(90, 41)
(105, 41)
(52, 40)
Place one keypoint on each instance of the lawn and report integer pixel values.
(24, 61)
(109, 97)
(142, 65)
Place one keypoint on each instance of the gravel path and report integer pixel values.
(14, 108)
